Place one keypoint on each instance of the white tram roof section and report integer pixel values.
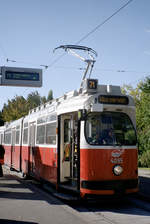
(2, 129)
(13, 124)
(76, 100)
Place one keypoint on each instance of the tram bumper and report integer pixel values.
(109, 187)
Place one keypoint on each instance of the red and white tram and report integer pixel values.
(84, 141)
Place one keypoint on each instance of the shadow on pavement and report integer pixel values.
(12, 187)
(6, 221)
(144, 186)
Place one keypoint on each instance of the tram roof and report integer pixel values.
(74, 101)
(77, 100)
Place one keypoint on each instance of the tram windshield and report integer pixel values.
(109, 128)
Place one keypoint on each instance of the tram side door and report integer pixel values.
(68, 150)
(31, 147)
(13, 148)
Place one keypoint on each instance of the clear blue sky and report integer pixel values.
(31, 29)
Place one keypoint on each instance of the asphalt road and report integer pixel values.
(144, 183)
(22, 202)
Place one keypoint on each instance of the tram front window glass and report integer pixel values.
(109, 128)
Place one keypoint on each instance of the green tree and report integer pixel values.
(50, 95)
(33, 100)
(145, 85)
(134, 92)
(142, 102)
(43, 99)
(1, 119)
(16, 108)
(19, 106)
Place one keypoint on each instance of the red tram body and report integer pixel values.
(84, 141)
(2, 142)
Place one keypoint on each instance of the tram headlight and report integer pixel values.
(117, 170)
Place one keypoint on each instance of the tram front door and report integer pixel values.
(69, 153)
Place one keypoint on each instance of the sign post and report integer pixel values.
(15, 76)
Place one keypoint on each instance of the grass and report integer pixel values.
(144, 168)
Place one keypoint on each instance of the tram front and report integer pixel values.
(108, 144)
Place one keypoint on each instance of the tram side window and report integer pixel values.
(1, 139)
(17, 136)
(7, 138)
(40, 138)
(25, 136)
(51, 133)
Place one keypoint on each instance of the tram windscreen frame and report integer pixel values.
(110, 128)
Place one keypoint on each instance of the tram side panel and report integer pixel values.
(12, 156)
(7, 146)
(15, 164)
(45, 156)
(2, 141)
(12, 144)
(42, 164)
(16, 144)
(46, 163)
(25, 159)
(7, 156)
(39, 159)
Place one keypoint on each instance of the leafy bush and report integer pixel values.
(144, 159)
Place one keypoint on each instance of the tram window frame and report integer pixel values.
(51, 138)
(41, 120)
(1, 138)
(25, 125)
(38, 132)
(17, 135)
(25, 136)
(7, 137)
(51, 118)
(93, 141)
(25, 133)
(44, 123)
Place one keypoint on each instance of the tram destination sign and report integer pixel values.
(122, 100)
(15, 76)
